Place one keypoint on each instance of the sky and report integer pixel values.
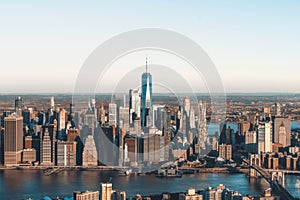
(254, 44)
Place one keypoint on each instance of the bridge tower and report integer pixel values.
(279, 177)
(254, 159)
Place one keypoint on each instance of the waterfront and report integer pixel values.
(22, 184)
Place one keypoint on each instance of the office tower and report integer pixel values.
(155, 148)
(73, 135)
(227, 135)
(28, 155)
(191, 195)
(187, 105)
(266, 113)
(282, 130)
(13, 139)
(19, 106)
(157, 108)
(137, 126)
(134, 105)
(250, 141)
(106, 140)
(243, 127)
(112, 117)
(89, 155)
(65, 153)
(192, 119)
(202, 132)
(146, 98)
(28, 142)
(52, 104)
(61, 124)
(51, 130)
(264, 137)
(277, 109)
(89, 119)
(124, 118)
(102, 116)
(160, 118)
(93, 104)
(46, 149)
(225, 151)
(106, 191)
(130, 149)
(87, 195)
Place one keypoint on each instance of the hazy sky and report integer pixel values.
(255, 44)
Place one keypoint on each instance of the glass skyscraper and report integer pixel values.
(146, 118)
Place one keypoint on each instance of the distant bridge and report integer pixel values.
(276, 178)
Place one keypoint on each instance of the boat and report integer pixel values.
(297, 185)
(125, 173)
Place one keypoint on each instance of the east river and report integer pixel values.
(22, 184)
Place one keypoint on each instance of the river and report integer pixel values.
(22, 184)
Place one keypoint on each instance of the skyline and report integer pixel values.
(253, 46)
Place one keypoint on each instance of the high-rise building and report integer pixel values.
(202, 135)
(106, 191)
(277, 109)
(112, 118)
(102, 116)
(243, 127)
(250, 141)
(19, 106)
(225, 151)
(146, 98)
(155, 148)
(61, 124)
(89, 155)
(124, 118)
(28, 142)
(13, 139)
(73, 135)
(187, 105)
(192, 119)
(131, 149)
(28, 155)
(46, 149)
(282, 130)
(87, 195)
(134, 105)
(264, 137)
(52, 104)
(65, 153)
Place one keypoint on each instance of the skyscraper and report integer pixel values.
(112, 118)
(281, 130)
(19, 106)
(89, 155)
(202, 132)
(46, 149)
(146, 118)
(134, 105)
(66, 153)
(264, 137)
(52, 104)
(124, 118)
(13, 140)
(105, 191)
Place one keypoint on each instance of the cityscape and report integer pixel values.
(143, 134)
(149, 100)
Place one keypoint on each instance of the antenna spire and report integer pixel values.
(146, 65)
